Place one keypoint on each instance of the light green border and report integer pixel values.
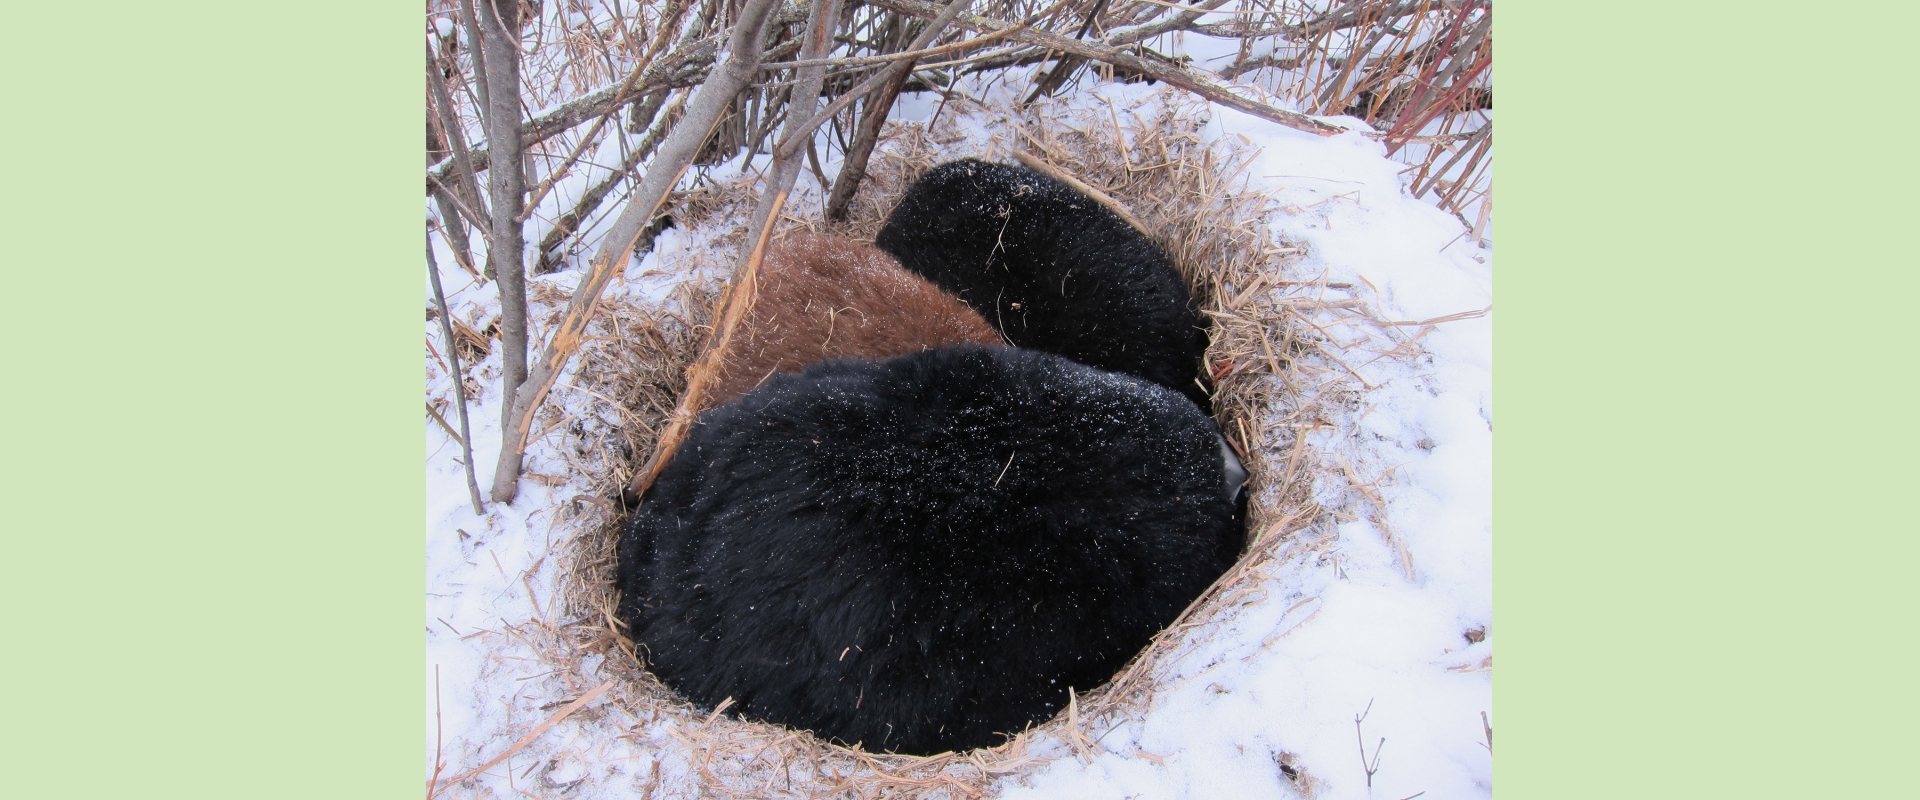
(1705, 551)
(1705, 563)
(213, 293)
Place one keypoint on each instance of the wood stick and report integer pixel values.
(446, 426)
(910, 55)
(1437, 320)
(477, 53)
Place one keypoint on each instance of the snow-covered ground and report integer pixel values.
(1264, 704)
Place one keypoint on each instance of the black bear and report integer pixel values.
(823, 297)
(1052, 270)
(922, 554)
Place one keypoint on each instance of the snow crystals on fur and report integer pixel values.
(924, 554)
(1052, 270)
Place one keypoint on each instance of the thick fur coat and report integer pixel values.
(1052, 270)
(823, 297)
(924, 554)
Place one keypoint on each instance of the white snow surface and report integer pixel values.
(1330, 637)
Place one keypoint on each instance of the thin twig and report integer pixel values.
(459, 388)
(1358, 737)
(704, 113)
(1199, 84)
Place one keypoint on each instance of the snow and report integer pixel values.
(1281, 678)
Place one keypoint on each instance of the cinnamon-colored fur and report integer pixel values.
(823, 297)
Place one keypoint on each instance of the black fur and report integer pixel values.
(1052, 270)
(923, 554)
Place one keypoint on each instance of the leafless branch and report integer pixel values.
(459, 387)
(469, 184)
(685, 67)
(745, 283)
(477, 54)
(595, 195)
(1163, 71)
(941, 18)
(500, 46)
(853, 168)
(746, 47)
(910, 55)
(1373, 767)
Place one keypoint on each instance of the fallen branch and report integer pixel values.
(910, 55)
(1181, 77)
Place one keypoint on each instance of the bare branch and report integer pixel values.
(479, 58)
(913, 55)
(734, 306)
(743, 288)
(940, 17)
(500, 43)
(1178, 76)
(459, 383)
(853, 168)
(806, 96)
(450, 128)
(445, 194)
(746, 48)
(572, 220)
(686, 66)
(1141, 33)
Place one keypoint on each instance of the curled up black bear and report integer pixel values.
(1052, 270)
(922, 554)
